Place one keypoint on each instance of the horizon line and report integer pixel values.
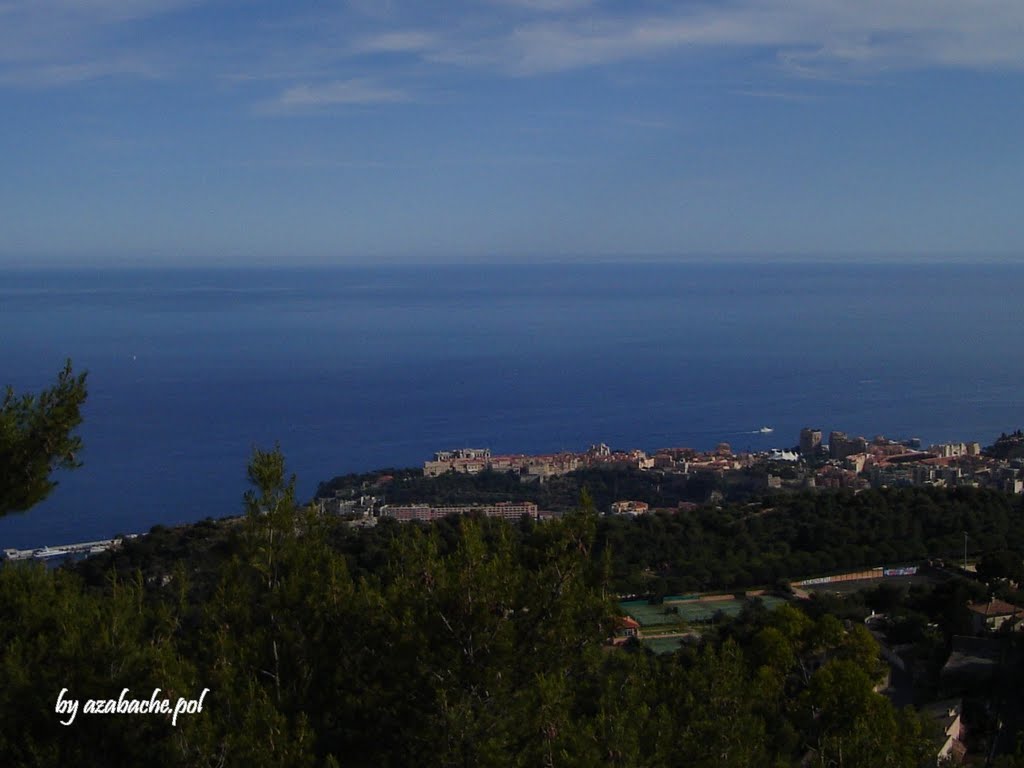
(262, 263)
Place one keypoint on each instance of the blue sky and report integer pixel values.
(240, 131)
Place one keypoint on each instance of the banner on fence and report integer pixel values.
(908, 571)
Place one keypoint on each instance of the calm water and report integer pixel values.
(356, 368)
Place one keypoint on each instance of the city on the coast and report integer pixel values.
(855, 463)
(843, 462)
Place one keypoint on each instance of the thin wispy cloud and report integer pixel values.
(399, 41)
(72, 73)
(519, 38)
(292, 158)
(773, 95)
(357, 91)
(807, 35)
(47, 43)
(48, 26)
(557, 6)
(377, 9)
(644, 122)
(900, 33)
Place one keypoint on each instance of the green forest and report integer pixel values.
(736, 544)
(798, 535)
(472, 644)
(468, 642)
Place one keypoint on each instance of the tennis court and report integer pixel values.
(699, 611)
(674, 612)
(650, 616)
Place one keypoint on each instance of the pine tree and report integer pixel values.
(36, 438)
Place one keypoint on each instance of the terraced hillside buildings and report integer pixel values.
(844, 462)
(532, 468)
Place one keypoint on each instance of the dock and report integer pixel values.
(48, 553)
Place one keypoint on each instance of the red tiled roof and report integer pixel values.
(994, 608)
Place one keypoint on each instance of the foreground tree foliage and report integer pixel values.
(36, 438)
(472, 643)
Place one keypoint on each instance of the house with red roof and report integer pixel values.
(990, 616)
(626, 627)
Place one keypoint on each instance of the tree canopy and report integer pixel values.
(36, 438)
(472, 641)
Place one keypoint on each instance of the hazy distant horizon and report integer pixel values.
(49, 262)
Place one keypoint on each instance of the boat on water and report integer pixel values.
(45, 552)
(766, 430)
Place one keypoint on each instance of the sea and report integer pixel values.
(349, 369)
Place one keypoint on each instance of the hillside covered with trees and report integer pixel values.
(792, 536)
(472, 644)
(735, 544)
(470, 641)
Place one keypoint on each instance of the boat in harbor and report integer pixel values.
(55, 554)
(45, 552)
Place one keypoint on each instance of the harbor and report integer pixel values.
(59, 554)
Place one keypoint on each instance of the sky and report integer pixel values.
(251, 132)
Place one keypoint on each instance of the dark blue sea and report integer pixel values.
(352, 369)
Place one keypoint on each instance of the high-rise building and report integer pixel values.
(810, 440)
(840, 446)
